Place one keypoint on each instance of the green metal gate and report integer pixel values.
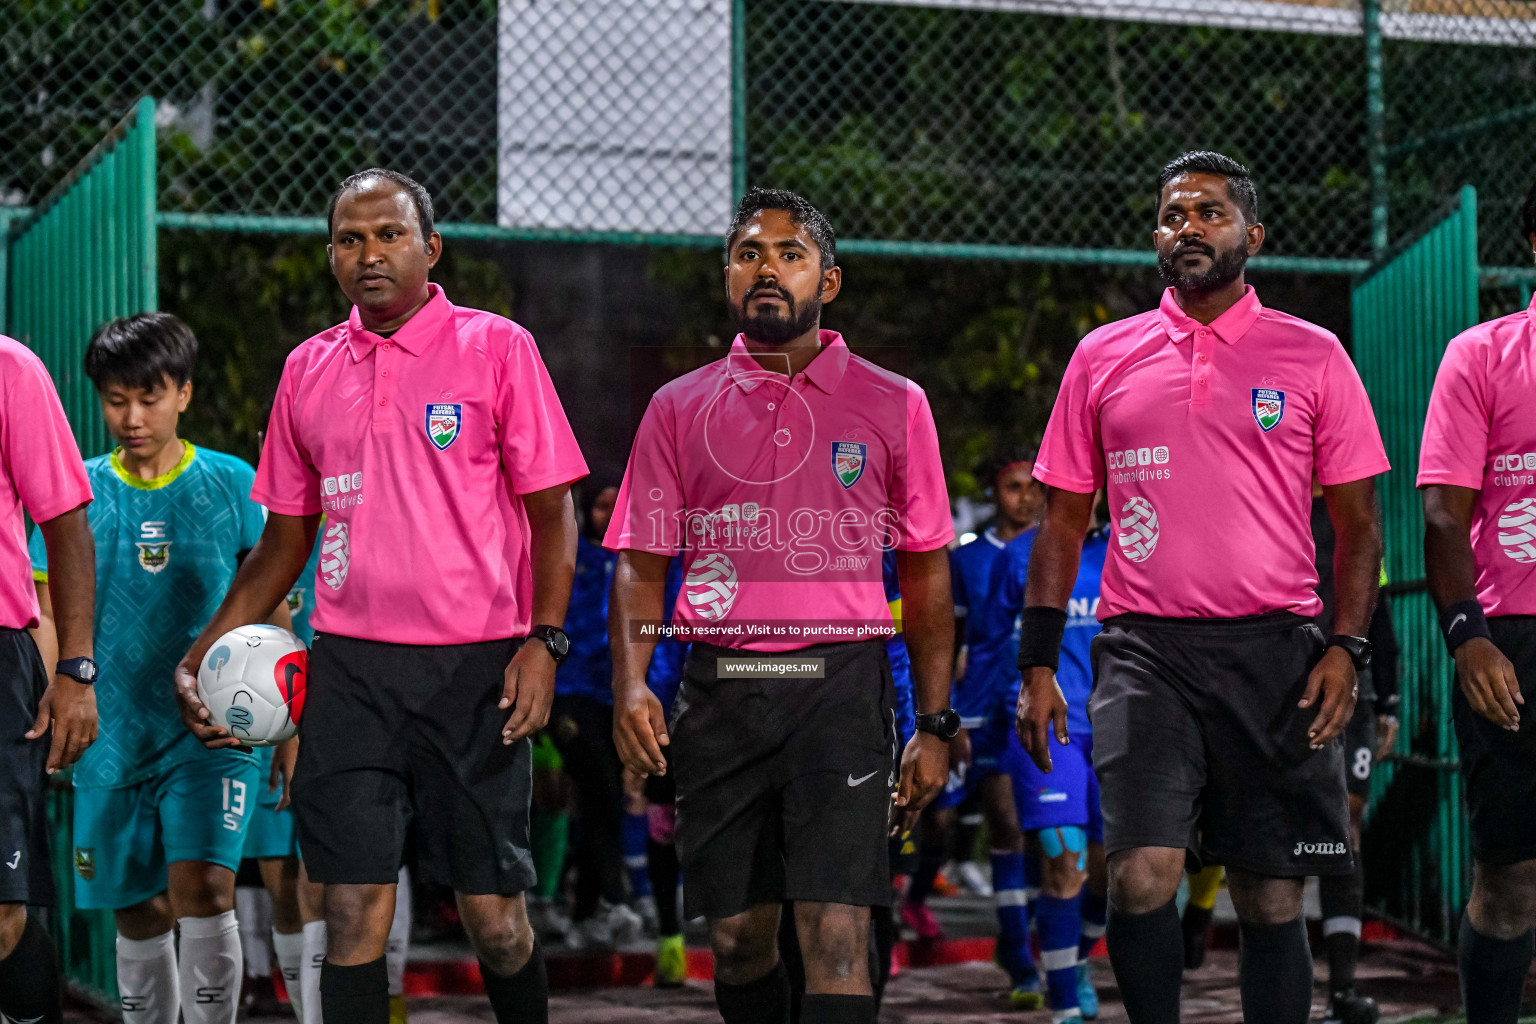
(85, 254)
(1406, 308)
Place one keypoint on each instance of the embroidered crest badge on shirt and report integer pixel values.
(848, 459)
(154, 557)
(1268, 407)
(443, 422)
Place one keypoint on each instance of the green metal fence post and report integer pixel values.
(1375, 125)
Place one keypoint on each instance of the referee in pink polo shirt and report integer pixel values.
(41, 473)
(1477, 469)
(783, 473)
(1217, 703)
(431, 439)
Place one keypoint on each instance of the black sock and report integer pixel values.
(825, 1009)
(1492, 974)
(1275, 973)
(29, 978)
(1343, 901)
(930, 860)
(355, 995)
(882, 939)
(1196, 926)
(764, 1001)
(522, 998)
(1147, 953)
(661, 867)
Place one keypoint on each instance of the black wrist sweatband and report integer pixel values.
(1461, 622)
(1040, 631)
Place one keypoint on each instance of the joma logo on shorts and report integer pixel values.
(1327, 849)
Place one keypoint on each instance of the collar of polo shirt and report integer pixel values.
(1229, 327)
(825, 371)
(414, 335)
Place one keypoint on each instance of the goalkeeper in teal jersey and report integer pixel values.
(160, 819)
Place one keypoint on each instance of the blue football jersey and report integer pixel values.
(301, 598)
(896, 649)
(588, 670)
(665, 672)
(997, 659)
(166, 552)
(970, 573)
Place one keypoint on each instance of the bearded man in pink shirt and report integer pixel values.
(430, 437)
(1217, 702)
(1477, 471)
(783, 473)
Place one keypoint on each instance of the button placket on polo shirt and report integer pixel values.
(1201, 367)
(385, 375)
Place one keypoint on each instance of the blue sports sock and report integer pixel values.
(635, 830)
(1060, 924)
(1095, 911)
(1032, 883)
(1012, 915)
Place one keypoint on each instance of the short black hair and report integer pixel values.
(800, 211)
(1528, 215)
(420, 197)
(1204, 161)
(1010, 457)
(140, 351)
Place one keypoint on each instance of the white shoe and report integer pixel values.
(645, 906)
(550, 922)
(624, 925)
(972, 877)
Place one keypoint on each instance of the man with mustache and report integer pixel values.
(431, 438)
(1217, 702)
(783, 473)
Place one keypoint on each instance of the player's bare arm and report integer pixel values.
(928, 624)
(262, 583)
(639, 722)
(1356, 573)
(69, 705)
(1487, 678)
(530, 678)
(1052, 571)
(287, 753)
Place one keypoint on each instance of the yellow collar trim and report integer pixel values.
(188, 451)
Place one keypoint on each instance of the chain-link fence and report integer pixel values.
(1028, 128)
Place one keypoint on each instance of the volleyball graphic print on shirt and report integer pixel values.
(1138, 530)
(335, 554)
(1517, 530)
(711, 586)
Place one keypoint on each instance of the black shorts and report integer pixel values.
(1360, 745)
(23, 774)
(1500, 766)
(395, 735)
(1198, 743)
(784, 785)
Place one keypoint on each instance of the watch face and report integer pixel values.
(562, 643)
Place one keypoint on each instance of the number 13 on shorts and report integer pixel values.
(234, 803)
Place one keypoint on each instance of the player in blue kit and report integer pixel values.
(1059, 811)
(159, 819)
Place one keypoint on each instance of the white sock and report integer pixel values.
(309, 972)
(146, 979)
(399, 943)
(210, 969)
(290, 954)
(253, 908)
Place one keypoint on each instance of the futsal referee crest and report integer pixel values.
(443, 423)
(1268, 407)
(848, 459)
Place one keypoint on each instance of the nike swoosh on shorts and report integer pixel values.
(859, 781)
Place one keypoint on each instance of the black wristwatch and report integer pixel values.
(81, 670)
(945, 725)
(555, 641)
(1357, 647)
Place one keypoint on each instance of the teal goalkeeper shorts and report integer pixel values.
(125, 838)
(271, 832)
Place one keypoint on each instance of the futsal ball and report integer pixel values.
(252, 682)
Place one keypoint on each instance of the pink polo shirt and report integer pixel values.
(40, 471)
(784, 495)
(1480, 432)
(416, 447)
(1208, 438)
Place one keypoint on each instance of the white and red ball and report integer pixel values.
(252, 681)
